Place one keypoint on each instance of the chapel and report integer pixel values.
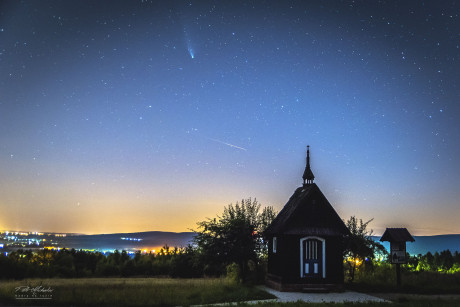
(306, 241)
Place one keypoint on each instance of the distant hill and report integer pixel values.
(424, 244)
(127, 241)
(155, 239)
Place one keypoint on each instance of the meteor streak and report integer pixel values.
(228, 144)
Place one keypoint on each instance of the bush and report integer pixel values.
(233, 273)
(381, 277)
(213, 270)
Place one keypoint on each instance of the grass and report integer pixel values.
(132, 292)
(383, 279)
(408, 303)
(185, 292)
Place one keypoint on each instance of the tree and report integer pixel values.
(234, 237)
(446, 260)
(360, 245)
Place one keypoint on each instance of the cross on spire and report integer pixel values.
(308, 176)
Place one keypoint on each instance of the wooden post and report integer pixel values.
(398, 275)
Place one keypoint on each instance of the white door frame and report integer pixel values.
(323, 254)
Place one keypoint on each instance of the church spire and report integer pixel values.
(308, 176)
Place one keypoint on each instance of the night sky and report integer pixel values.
(153, 115)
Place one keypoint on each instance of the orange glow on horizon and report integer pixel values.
(182, 214)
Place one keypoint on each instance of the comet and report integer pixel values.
(188, 42)
(191, 52)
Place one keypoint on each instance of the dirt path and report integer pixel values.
(340, 297)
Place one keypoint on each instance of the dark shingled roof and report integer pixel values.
(397, 235)
(308, 212)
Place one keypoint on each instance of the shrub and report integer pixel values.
(233, 272)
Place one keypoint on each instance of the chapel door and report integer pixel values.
(312, 251)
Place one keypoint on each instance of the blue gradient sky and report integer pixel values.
(147, 115)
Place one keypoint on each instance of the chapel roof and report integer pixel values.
(308, 212)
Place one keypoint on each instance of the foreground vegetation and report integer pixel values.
(402, 303)
(367, 267)
(169, 292)
(375, 276)
(176, 262)
(131, 292)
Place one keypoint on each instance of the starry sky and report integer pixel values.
(125, 116)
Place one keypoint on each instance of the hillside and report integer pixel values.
(424, 244)
(155, 239)
(127, 241)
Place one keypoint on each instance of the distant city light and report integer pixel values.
(131, 239)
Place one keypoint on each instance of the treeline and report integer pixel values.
(175, 262)
(445, 262)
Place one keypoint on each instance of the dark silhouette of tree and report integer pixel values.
(63, 263)
(185, 263)
(234, 237)
(360, 246)
(456, 257)
(446, 260)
